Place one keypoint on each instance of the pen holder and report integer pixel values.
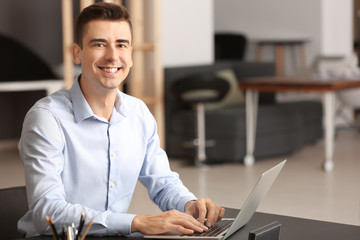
(71, 232)
(268, 232)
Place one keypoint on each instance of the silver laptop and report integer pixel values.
(227, 226)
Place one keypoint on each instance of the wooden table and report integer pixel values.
(279, 44)
(327, 88)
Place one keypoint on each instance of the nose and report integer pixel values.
(110, 53)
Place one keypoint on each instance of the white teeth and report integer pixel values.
(110, 70)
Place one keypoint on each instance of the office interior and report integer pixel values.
(303, 189)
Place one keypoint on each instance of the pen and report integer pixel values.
(63, 235)
(70, 233)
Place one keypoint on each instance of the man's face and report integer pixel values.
(105, 56)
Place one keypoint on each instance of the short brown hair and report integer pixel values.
(99, 11)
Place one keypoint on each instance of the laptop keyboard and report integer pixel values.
(215, 230)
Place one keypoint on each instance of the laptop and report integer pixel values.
(228, 226)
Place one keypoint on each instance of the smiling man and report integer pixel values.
(85, 148)
(104, 53)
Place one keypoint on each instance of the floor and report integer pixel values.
(302, 189)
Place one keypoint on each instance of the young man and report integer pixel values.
(85, 148)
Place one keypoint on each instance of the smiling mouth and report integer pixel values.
(110, 70)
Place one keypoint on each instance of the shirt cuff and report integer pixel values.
(183, 202)
(120, 223)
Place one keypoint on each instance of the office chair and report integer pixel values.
(13, 205)
(197, 90)
(16, 55)
(230, 46)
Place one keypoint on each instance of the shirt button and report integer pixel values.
(112, 185)
(112, 154)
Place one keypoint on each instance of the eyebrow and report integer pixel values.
(104, 40)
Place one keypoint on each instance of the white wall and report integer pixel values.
(188, 28)
(327, 23)
(337, 27)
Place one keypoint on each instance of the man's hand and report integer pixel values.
(205, 208)
(167, 221)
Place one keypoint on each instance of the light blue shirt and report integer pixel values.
(75, 160)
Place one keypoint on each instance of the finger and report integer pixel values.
(202, 211)
(221, 213)
(212, 214)
(190, 223)
(183, 230)
(199, 224)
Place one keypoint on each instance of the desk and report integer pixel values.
(292, 228)
(284, 84)
(279, 50)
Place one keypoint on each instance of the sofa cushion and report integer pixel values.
(234, 97)
(230, 122)
(281, 129)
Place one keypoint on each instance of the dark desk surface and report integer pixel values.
(292, 228)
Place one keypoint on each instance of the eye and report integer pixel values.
(98, 44)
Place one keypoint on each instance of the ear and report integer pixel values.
(76, 53)
(131, 61)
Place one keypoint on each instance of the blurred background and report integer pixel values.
(179, 35)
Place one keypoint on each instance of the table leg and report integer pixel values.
(279, 60)
(258, 55)
(251, 117)
(302, 56)
(328, 103)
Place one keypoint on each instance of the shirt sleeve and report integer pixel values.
(164, 186)
(41, 149)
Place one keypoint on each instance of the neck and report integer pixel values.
(102, 106)
(101, 102)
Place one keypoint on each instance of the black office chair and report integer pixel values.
(15, 54)
(230, 46)
(197, 90)
(13, 205)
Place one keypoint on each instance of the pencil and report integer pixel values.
(86, 229)
(52, 227)
(81, 225)
(82, 216)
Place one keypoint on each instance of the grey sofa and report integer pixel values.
(282, 128)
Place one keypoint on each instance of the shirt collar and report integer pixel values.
(82, 109)
(120, 108)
